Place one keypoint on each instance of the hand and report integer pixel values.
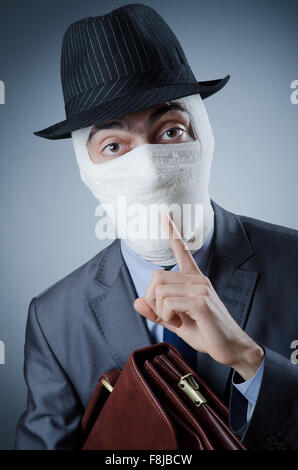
(186, 303)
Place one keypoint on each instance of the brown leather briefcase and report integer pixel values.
(157, 402)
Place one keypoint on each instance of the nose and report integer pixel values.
(140, 139)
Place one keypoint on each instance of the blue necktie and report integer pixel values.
(189, 354)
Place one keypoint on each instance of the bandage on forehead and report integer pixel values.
(199, 120)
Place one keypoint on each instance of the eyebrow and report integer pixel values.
(122, 125)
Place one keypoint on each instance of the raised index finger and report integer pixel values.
(182, 254)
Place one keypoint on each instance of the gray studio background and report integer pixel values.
(47, 214)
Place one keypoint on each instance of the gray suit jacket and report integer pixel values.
(85, 325)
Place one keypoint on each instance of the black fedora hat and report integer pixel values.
(119, 63)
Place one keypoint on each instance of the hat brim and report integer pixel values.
(130, 103)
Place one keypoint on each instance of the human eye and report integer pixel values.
(173, 133)
(112, 148)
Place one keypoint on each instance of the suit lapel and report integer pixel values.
(122, 328)
(235, 286)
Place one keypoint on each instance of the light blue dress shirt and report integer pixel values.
(141, 272)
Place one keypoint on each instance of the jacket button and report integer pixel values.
(271, 442)
(281, 445)
(274, 443)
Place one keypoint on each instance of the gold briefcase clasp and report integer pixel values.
(189, 385)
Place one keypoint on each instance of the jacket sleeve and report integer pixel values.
(54, 411)
(274, 421)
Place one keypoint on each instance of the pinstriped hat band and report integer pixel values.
(118, 63)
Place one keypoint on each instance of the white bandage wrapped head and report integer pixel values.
(152, 177)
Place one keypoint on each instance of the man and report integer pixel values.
(225, 293)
